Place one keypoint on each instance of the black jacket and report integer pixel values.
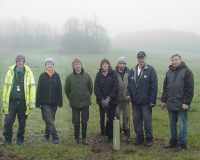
(106, 86)
(49, 90)
(143, 88)
(178, 87)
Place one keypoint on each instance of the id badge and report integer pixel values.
(18, 89)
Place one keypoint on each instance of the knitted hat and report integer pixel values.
(122, 60)
(49, 61)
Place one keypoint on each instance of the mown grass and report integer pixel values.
(36, 149)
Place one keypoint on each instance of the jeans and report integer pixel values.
(102, 120)
(48, 115)
(142, 119)
(179, 117)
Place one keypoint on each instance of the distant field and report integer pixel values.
(36, 149)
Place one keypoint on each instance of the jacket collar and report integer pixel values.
(125, 70)
(136, 72)
(182, 65)
(146, 66)
(27, 68)
(82, 71)
(109, 70)
(53, 74)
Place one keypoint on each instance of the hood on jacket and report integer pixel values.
(82, 71)
(182, 65)
(125, 69)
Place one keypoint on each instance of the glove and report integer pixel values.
(163, 105)
(185, 107)
(128, 98)
(105, 102)
(152, 105)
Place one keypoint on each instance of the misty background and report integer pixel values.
(97, 27)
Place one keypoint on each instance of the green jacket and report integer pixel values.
(79, 88)
(29, 89)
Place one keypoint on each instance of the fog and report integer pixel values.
(96, 25)
(116, 15)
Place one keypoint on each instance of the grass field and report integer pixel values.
(36, 149)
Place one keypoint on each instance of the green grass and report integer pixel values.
(36, 149)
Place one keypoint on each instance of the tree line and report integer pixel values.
(76, 36)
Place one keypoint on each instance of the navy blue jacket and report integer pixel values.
(143, 88)
(49, 90)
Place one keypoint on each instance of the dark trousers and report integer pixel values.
(80, 117)
(107, 125)
(102, 121)
(16, 108)
(48, 115)
(181, 118)
(142, 119)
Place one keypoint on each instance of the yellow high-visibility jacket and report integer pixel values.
(29, 89)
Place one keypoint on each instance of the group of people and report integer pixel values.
(116, 90)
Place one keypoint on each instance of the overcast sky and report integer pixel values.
(116, 15)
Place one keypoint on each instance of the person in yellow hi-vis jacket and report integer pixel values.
(18, 98)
